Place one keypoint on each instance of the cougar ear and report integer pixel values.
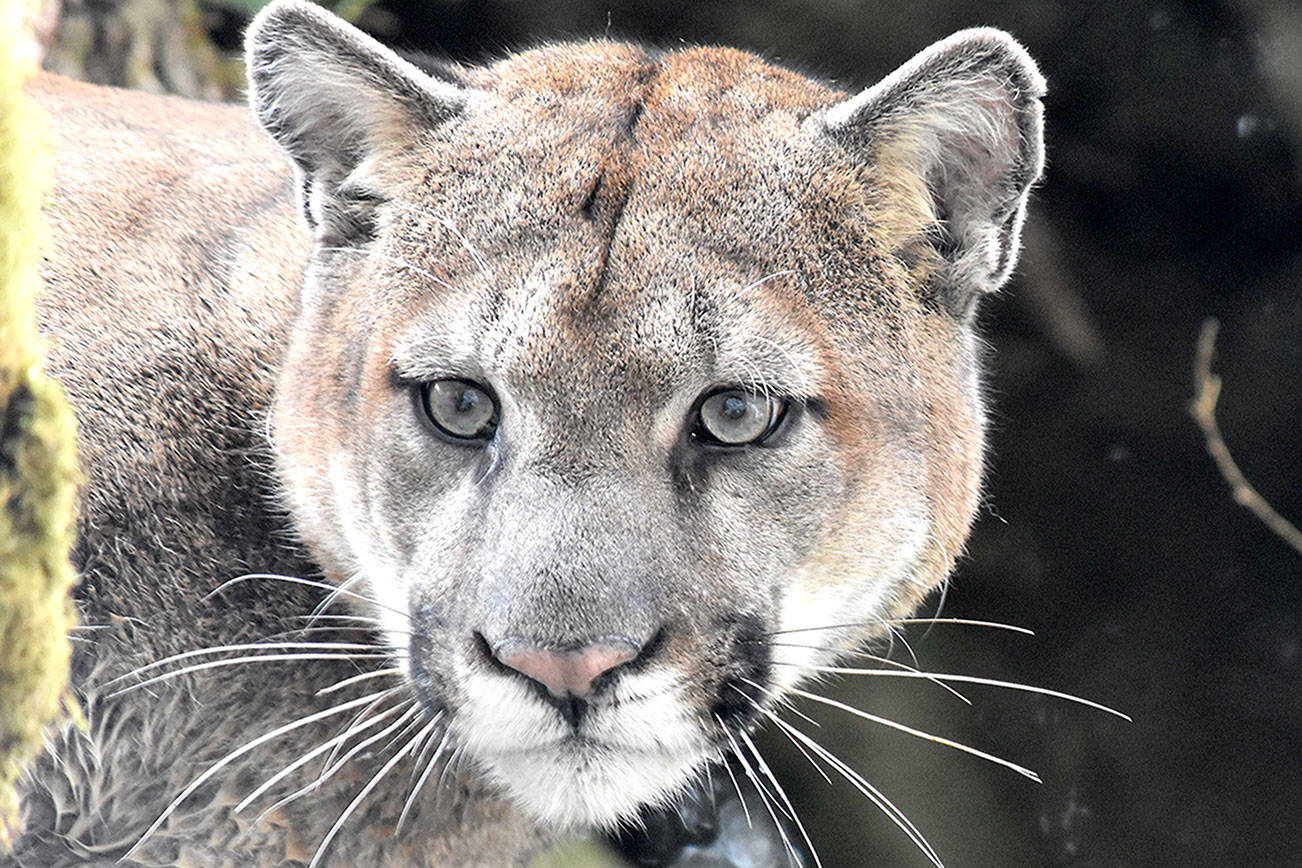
(958, 130)
(334, 99)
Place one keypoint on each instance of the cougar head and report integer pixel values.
(629, 385)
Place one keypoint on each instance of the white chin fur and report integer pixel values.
(639, 751)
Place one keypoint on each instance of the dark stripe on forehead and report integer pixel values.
(613, 185)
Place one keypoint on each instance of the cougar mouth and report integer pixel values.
(622, 757)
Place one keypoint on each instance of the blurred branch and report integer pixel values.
(1053, 298)
(1207, 388)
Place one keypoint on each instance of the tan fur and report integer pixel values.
(598, 233)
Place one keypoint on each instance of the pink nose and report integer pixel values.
(569, 672)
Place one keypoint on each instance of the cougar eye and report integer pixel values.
(459, 409)
(735, 417)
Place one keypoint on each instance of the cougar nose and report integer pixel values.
(565, 672)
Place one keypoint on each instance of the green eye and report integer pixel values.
(459, 409)
(735, 417)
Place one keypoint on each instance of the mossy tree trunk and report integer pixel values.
(37, 464)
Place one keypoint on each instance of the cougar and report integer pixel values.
(460, 440)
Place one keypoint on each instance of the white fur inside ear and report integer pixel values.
(332, 97)
(962, 117)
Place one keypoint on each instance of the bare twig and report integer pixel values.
(1207, 388)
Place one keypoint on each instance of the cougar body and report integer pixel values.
(581, 375)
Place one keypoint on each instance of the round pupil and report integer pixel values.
(460, 409)
(734, 408)
(467, 400)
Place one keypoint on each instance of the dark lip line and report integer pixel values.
(583, 742)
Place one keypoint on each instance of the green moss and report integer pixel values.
(37, 463)
(578, 854)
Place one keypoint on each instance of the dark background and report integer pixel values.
(1172, 195)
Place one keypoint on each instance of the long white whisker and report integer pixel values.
(765, 794)
(429, 767)
(246, 646)
(736, 786)
(348, 682)
(241, 751)
(965, 622)
(906, 668)
(328, 773)
(791, 809)
(310, 583)
(413, 723)
(453, 756)
(897, 633)
(347, 727)
(376, 654)
(883, 660)
(352, 806)
(423, 740)
(782, 701)
(800, 747)
(365, 623)
(456, 755)
(944, 586)
(315, 752)
(346, 587)
(424, 751)
(917, 733)
(965, 679)
(333, 765)
(885, 805)
(765, 799)
(335, 617)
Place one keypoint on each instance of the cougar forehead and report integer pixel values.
(586, 217)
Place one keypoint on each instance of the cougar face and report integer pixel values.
(628, 385)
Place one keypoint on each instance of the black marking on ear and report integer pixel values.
(433, 65)
(354, 219)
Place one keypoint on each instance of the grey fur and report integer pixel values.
(600, 235)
